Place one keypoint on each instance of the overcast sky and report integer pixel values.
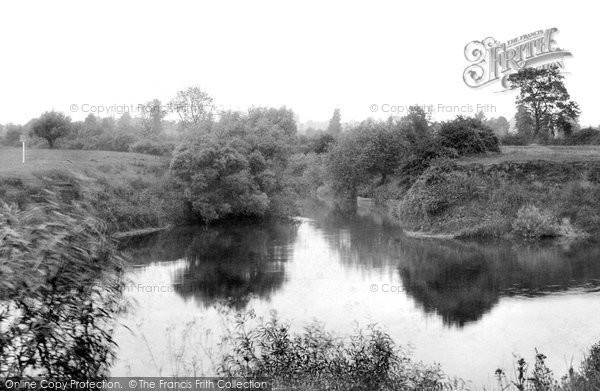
(309, 56)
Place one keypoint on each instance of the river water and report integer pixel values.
(469, 306)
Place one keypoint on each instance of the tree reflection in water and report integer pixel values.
(458, 280)
(463, 281)
(228, 263)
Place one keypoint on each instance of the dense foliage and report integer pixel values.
(404, 147)
(545, 99)
(59, 289)
(235, 167)
(318, 360)
(468, 136)
(51, 126)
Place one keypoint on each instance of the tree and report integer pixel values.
(373, 148)
(194, 106)
(235, 167)
(152, 117)
(543, 94)
(345, 166)
(13, 133)
(125, 123)
(524, 122)
(335, 123)
(52, 125)
(499, 125)
(221, 177)
(468, 136)
(480, 116)
(384, 148)
(416, 124)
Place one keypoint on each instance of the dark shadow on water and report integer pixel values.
(463, 281)
(228, 263)
(459, 281)
(456, 280)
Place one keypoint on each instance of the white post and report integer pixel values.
(23, 138)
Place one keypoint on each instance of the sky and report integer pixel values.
(311, 56)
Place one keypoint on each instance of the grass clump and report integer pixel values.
(541, 378)
(532, 222)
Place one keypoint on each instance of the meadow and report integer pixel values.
(128, 191)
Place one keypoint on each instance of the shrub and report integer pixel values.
(152, 148)
(318, 360)
(224, 178)
(13, 133)
(534, 223)
(468, 136)
(59, 289)
(588, 136)
(515, 139)
(440, 187)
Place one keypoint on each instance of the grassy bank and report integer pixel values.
(126, 190)
(532, 192)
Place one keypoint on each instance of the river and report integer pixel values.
(469, 306)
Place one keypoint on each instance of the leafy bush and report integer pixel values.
(318, 360)
(236, 168)
(152, 148)
(59, 289)
(440, 187)
(222, 178)
(532, 222)
(468, 136)
(423, 153)
(372, 149)
(307, 171)
(515, 139)
(13, 133)
(588, 136)
(137, 203)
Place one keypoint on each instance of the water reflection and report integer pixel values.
(459, 281)
(463, 281)
(230, 263)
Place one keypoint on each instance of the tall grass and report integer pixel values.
(60, 284)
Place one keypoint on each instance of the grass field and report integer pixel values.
(538, 152)
(128, 191)
(115, 166)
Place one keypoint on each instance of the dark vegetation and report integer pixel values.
(530, 199)
(319, 360)
(59, 289)
(368, 360)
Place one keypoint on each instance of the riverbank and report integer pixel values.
(128, 191)
(517, 193)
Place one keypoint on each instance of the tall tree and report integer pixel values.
(416, 123)
(543, 93)
(335, 123)
(194, 106)
(524, 122)
(152, 117)
(51, 126)
(499, 125)
(125, 123)
(13, 132)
